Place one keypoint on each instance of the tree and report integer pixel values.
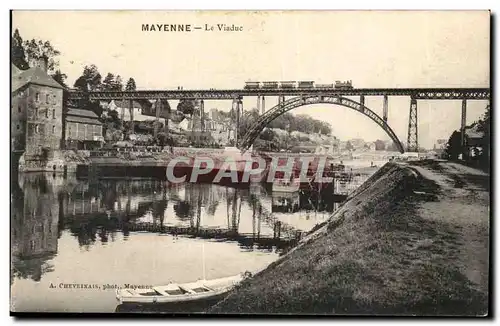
(34, 50)
(379, 145)
(109, 82)
(484, 125)
(130, 85)
(166, 108)
(17, 55)
(454, 146)
(163, 139)
(349, 146)
(118, 84)
(393, 147)
(90, 80)
(247, 120)
(186, 106)
(60, 78)
(113, 135)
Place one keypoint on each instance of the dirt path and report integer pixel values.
(464, 202)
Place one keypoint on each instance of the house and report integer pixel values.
(357, 143)
(36, 115)
(474, 140)
(325, 150)
(214, 132)
(83, 129)
(138, 107)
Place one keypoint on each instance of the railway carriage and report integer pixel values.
(270, 85)
(288, 84)
(324, 86)
(252, 85)
(343, 85)
(305, 84)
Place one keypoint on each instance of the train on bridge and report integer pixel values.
(297, 85)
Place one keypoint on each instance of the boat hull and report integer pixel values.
(160, 294)
(163, 299)
(197, 306)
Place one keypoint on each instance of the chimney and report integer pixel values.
(43, 62)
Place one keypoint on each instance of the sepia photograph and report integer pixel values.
(250, 162)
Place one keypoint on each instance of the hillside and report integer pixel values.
(411, 240)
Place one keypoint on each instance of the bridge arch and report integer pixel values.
(295, 102)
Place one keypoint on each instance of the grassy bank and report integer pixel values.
(378, 254)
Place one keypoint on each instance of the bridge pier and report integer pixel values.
(263, 104)
(277, 230)
(237, 122)
(202, 115)
(131, 112)
(281, 99)
(122, 110)
(386, 108)
(412, 141)
(157, 116)
(362, 100)
(463, 122)
(258, 103)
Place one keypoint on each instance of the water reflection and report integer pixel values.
(52, 215)
(34, 227)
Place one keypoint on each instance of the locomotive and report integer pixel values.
(303, 84)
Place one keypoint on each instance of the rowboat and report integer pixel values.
(177, 293)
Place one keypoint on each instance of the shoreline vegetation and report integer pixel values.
(412, 240)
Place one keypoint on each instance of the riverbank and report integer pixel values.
(413, 239)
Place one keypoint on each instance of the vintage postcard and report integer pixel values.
(270, 162)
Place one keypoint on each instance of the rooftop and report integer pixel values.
(473, 133)
(82, 116)
(35, 75)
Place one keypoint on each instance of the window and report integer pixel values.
(47, 98)
(32, 244)
(47, 113)
(69, 131)
(53, 129)
(53, 113)
(19, 109)
(36, 112)
(37, 97)
(37, 129)
(17, 127)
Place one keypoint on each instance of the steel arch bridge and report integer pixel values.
(295, 102)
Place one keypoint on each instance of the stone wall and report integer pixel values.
(44, 118)
(18, 107)
(53, 162)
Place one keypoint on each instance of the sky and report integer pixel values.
(372, 48)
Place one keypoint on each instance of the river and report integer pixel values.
(73, 241)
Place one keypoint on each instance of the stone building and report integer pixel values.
(36, 119)
(82, 129)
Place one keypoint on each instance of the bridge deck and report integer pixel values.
(227, 94)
